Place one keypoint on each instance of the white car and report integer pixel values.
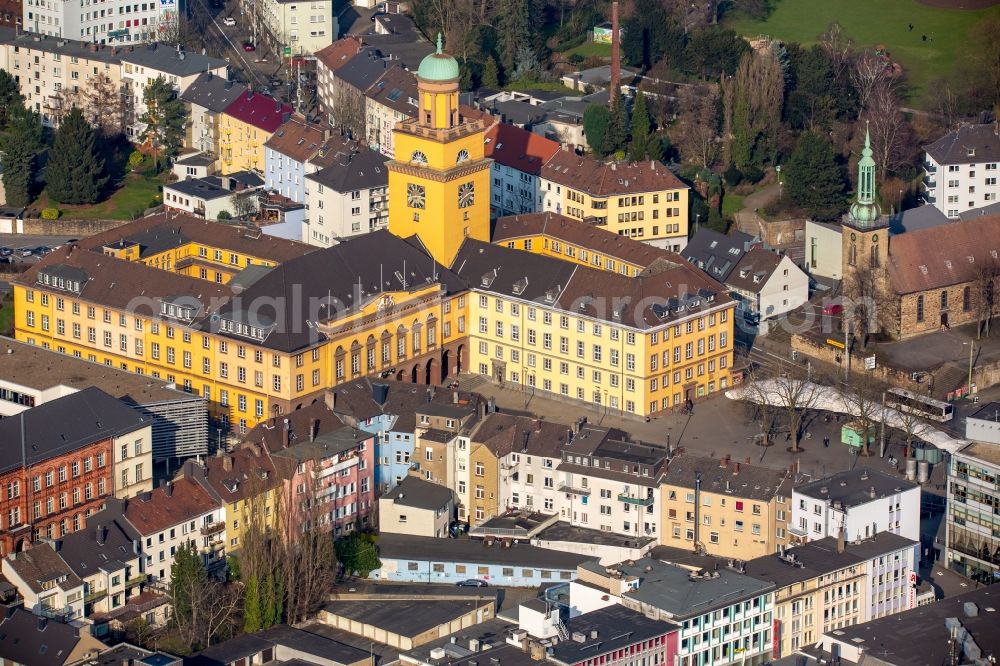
(229, 20)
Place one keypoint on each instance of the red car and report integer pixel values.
(249, 47)
(833, 308)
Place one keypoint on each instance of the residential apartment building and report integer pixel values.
(767, 285)
(972, 536)
(349, 197)
(829, 584)
(245, 127)
(862, 502)
(177, 513)
(328, 60)
(142, 65)
(287, 155)
(388, 409)
(64, 462)
(205, 99)
(302, 27)
(960, 169)
(725, 508)
(625, 635)
(391, 99)
(53, 73)
(639, 345)
(100, 22)
(441, 442)
(641, 200)
(417, 508)
(327, 469)
(246, 485)
(107, 559)
(46, 583)
(211, 196)
(518, 156)
(725, 617)
(343, 88)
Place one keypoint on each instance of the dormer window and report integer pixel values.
(970, 152)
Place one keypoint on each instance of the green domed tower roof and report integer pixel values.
(865, 211)
(438, 66)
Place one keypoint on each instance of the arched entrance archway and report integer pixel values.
(445, 365)
(432, 372)
(19, 545)
(460, 360)
(413, 374)
(399, 375)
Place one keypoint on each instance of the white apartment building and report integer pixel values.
(177, 513)
(303, 27)
(346, 199)
(862, 502)
(518, 156)
(767, 285)
(45, 582)
(133, 459)
(891, 582)
(50, 71)
(392, 99)
(102, 22)
(960, 169)
(141, 66)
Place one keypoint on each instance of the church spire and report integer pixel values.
(865, 212)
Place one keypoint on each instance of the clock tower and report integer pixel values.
(439, 187)
(866, 230)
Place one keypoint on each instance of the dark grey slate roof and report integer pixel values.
(213, 92)
(86, 555)
(417, 548)
(64, 47)
(913, 219)
(955, 146)
(335, 273)
(356, 171)
(64, 424)
(476, 262)
(617, 627)
(855, 487)
(363, 70)
(407, 617)
(165, 58)
(419, 494)
(982, 211)
(210, 187)
(717, 254)
(24, 640)
(306, 642)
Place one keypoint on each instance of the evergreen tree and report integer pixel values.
(358, 553)
(267, 602)
(252, 617)
(491, 76)
(75, 171)
(595, 127)
(10, 97)
(164, 118)
(186, 575)
(814, 179)
(617, 136)
(514, 30)
(20, 145)
(639, 146)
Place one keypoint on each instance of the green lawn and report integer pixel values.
(731, 204)
(550, 86)
(871, 22)
(588, 49)
(7, 316)
(134, 196)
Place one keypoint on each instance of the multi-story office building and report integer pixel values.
(862, 502)
(828, 584)
(972, 524)
(725, 617)
(960, 169)
(724, 508)
(102, 22)
(347, 198)
(53, 73)
(641, 200)
(638, 345)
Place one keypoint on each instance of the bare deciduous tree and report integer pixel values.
(695, 129)
(869, 71)
(786, 387)
(984, 289)
(864, 398)
(888, 128)
(104, 105)
(838, 47)
(347, 110)
(868, 302)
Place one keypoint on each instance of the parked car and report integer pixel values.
(833, 308)
(6, 251)
(458, 527)
(249, 48)
(25, 251)
(229, 21)
(277, 83)
(42, 250)
(472, 582)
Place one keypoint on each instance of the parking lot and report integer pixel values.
(20, 248)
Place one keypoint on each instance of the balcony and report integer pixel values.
(637, 501)
(929, 168)
(95, 596)
(570, 490)
(213, 528)
(138, 579)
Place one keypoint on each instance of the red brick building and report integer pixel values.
(56, 464)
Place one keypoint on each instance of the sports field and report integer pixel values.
(885, 22)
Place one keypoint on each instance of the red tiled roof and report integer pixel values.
(518, 148)
(297, 139)
(944, 255)
(187, 501)
(338, 53)
(601, 179)
(262, 111)
(271, 433)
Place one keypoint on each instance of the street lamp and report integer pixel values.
(778, 169)
(972, 349)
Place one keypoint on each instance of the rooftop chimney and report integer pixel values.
(313, 426)
(99, 535)
(840, 540)
(169, 489)
(227, 463)
(616, 59)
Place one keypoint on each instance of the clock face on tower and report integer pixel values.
(466, 195)
(415, 195)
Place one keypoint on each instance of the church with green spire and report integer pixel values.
(866, 229)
